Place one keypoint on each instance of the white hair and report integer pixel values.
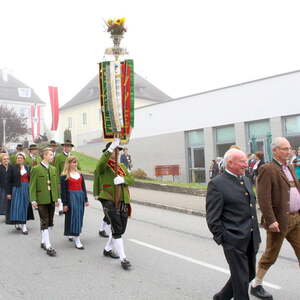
(230, 153)
(277, 141)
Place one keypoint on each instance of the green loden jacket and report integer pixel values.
(38, 188)
(60, 163)
(32, 162)
(104, 180)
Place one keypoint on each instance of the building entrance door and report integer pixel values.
(196, 165)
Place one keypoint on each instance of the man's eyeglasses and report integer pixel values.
(285, 149)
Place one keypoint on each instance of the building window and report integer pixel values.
(69, 122)
(292, 130)
(84, 119)
(225, 137)
(259, 138)
(195, 153)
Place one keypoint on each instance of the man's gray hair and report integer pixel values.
(229, 153)
(277, 141)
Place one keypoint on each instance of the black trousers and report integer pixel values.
(105, 218)
(117, 217)
(46, 213)
(242, 271)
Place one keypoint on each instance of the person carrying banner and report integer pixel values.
(44, 195)
(114, 195)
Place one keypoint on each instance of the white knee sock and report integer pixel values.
(60, 206)
(109, 244)
(119, 246)
(102, 225)
(24, 227)
(108, 229)
(77, 241)
(46, 238)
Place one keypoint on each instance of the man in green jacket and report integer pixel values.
(60, 163)
(53, 146)
(33, 158)
(112, 190)
(44, 194)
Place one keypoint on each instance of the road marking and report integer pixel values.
(195, 261)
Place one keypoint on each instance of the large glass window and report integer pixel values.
(259, 138)
(195, 138)
(292, 130)
(259, 129)
(195, 152)
(225, 137)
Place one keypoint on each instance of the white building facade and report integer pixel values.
(193, 130)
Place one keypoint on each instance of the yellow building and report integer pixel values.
(82, 113)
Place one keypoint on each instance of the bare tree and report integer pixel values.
(15, 126)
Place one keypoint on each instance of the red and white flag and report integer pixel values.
(53, 93)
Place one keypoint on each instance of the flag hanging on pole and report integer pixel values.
(53, 93)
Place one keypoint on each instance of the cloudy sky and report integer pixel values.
(182, 47)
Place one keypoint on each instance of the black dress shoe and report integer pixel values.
(51, 252)
(260, 292)
(70, 239)
(25, 232)
(43, 246)
(125, 264)
(110, 254)
(61, 212)
(103, 233)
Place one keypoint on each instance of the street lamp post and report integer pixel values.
(4, 137)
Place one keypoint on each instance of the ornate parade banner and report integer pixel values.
(116, 86)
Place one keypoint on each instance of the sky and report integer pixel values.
(182, 47)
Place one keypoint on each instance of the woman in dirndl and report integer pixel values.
(74, 198)
(19, 208)
(4, 167)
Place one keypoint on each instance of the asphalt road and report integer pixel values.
(173, 257)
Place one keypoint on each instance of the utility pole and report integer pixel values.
(4, 137)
